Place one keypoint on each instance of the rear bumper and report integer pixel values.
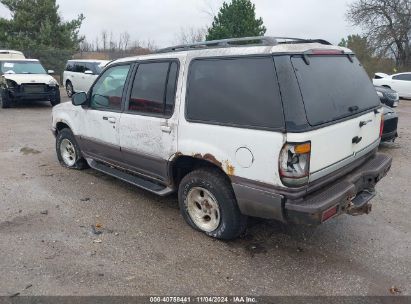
(350, 194)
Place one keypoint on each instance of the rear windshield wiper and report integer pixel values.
(353, 108)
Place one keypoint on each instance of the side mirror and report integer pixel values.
(79, 99)
(51, 72)
(88, 72)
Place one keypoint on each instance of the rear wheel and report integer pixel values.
(5, 101)
(208, 204)
(68, 151)
(69, 89)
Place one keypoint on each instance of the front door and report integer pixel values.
(148, 127)
(100, 136)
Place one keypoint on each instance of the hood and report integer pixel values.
(384, 90)
(30, 78)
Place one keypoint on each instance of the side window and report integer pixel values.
(106, 94)
(235, 91)
(90, 67)
(69, 67)
(406, 77)
(171, 89)
(153, 89)
(79, 67)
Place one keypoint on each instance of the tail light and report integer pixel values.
(294, 164)
(382, 125)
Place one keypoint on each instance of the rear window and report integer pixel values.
(239, 92)
(333, 87)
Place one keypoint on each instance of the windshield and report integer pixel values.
(333, 87)
(99, 67)
(22, 67)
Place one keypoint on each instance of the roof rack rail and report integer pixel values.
(246, 41)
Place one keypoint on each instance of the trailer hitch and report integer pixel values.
(361, 203)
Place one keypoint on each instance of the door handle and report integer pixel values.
(109, 119)
(356, 140)
(166, 129)
(364, 123)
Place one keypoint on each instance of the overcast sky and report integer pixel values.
(161, 20)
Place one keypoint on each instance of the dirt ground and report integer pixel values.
(48, 245)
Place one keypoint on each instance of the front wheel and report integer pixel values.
(56, 99)
(68, 151)
(208, 204)
(5, 101)
(69, 89)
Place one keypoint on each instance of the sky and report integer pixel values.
(161, 21)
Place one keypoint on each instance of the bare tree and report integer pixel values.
(125, 38)
(97, 44)
(104, 38)
(387, 26)
(191, 35)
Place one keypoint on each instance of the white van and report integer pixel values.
(10, 54)
(79, 75)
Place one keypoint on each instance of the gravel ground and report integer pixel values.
(48, 245)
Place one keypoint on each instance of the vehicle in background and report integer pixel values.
(276, 128)
(26, 79)
(79, 75)
(388, 96)
(10, 54)
(389, 132)
(401, 83)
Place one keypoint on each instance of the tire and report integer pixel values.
(68, 151)
(69, 89)
(5, 100)
(215, 211)
(56, 99)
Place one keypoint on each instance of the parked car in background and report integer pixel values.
(26, 79)
(284, 129)
(388, 96)
(79, 75)
(10, 54)
(389, 132)
(401, 83)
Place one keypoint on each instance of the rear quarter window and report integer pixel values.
(240, 92)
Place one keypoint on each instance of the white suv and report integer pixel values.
(284, 129)
(79, 75)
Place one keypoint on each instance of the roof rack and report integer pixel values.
(246, 41)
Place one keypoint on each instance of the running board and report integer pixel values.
(130, 178)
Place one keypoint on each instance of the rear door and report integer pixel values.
(340, 104)
(148, 128)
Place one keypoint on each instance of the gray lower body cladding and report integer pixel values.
(308, 207)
